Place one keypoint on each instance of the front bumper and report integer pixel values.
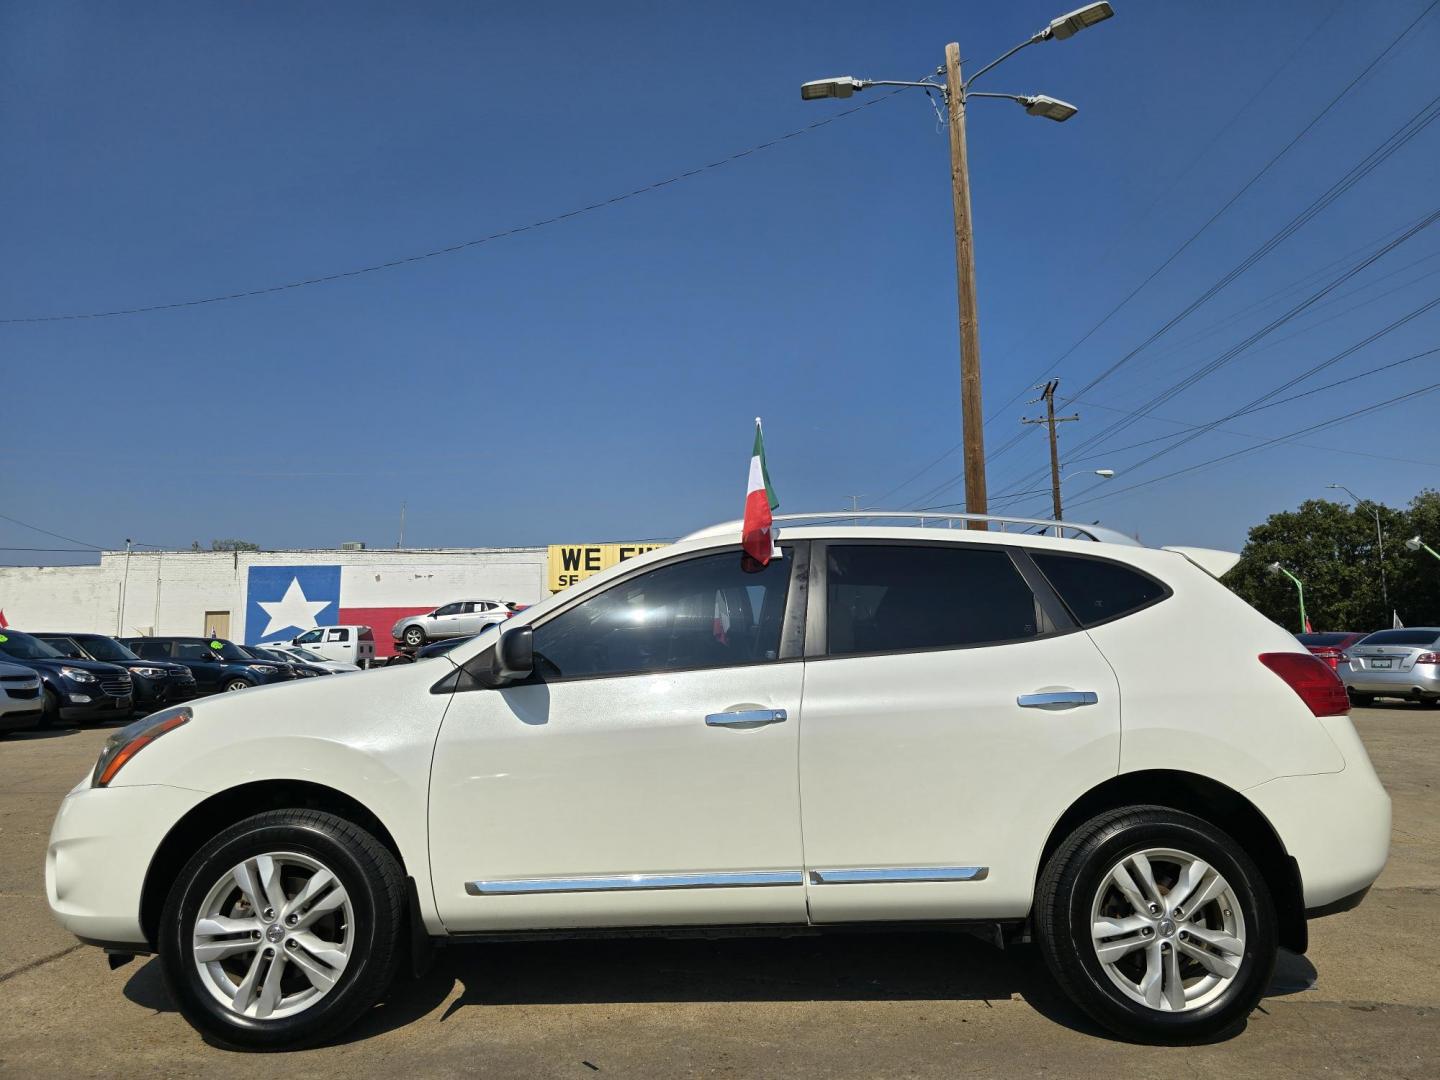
(1420, 681)
(16, 720)
(101, 846)
(99, 707)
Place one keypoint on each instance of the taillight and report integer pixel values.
(1316, 684)
(1428, 658)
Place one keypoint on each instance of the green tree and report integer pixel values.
(1418, 599)
(233, 545)
(1332, 548)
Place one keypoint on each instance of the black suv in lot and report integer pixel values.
(73, 689)
(157, 682)
(217, 664)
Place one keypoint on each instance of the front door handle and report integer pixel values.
(1057, 699)
(746, 717)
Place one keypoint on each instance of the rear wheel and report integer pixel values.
(1157, 924)
(1361, 699)
(414, 636)
(282, 930)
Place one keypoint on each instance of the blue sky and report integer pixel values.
(596, 379)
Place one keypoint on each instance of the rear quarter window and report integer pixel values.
(1098, 590)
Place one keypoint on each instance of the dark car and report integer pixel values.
(1330, 646)
(217, 664)
(425, 652)
(73, 689)
(157, 682)
(300, 667)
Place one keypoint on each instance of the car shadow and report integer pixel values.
(43, 733)
(842, 966)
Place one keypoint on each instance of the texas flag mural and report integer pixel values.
(282, 602)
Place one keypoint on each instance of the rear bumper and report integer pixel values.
(1417, 681)
(1335, 825)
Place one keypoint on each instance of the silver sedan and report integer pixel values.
(1404, 663)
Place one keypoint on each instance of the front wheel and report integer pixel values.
(282, 930)
(236, 684)
(1157, 924)
(414, 637)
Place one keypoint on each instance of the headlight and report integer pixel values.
(263, 669)
(75, 674)
(129, 741)
(150, 672)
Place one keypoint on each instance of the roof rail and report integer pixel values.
(851, 517)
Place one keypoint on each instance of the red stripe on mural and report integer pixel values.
(380, 620)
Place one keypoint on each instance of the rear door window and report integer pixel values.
(339, 634)
(897, 598)
(152, 650)
(1098, 590)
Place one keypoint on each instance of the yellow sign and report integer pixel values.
(570, 563)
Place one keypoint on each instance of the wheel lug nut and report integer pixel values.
(1154, 909)
(292, 919)
(269, 913)
(291, 944)
(269, 954)
(1146, 932)
(255, 934)
(1178, 913)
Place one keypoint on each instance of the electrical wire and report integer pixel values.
(452, 249)
(47, 532)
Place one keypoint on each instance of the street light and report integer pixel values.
(956, 92)
(1379, 538)
(1416, 544)
(1276, 568)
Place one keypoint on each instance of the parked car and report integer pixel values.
(78, 690)
(299, 667)
(1329, 646)
(217, 664)
(347, 644)
(461, 618)
(157, 682)
(629, 754)
(1403, 663)
(21, 705)
(305, 656)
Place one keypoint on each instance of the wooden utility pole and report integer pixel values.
(1050, 420)
(971, 415)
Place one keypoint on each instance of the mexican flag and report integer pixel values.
(758, 541)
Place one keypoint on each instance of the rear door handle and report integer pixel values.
(1057, 699)
(746, 716)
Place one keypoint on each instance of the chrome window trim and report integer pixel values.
(626, 882)
(896, 875)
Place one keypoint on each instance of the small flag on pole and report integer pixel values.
(757, 535)
(1308, 628)
(1395, 623)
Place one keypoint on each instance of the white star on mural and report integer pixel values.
(292, 609)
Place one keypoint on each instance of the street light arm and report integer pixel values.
(1043, 35)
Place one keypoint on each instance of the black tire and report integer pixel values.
(49, 712)
(1068, 887)
(1431, 702)
(1361, 699)
(232, 685)
(413, 636)
(367, 871)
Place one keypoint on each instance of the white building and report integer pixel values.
(245, 595)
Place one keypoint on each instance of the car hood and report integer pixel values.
(55, 663)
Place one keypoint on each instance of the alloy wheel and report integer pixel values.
(1168, 929)
(273, 935)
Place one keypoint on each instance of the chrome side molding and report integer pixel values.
(626, 882)
(896, 875)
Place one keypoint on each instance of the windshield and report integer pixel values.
(104, 648)
(1402, 637)
(228, 650)
(24, 647)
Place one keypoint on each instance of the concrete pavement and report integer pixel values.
(1364, 1003)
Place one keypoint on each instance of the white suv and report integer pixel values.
(886, 725)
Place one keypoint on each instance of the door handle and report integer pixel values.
(746, 716)
(1057, 698)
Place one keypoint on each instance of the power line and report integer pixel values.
(47, 532)
(1351, 85)
(1354, 414)
(451, 249)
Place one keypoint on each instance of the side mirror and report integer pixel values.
(514, 656)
